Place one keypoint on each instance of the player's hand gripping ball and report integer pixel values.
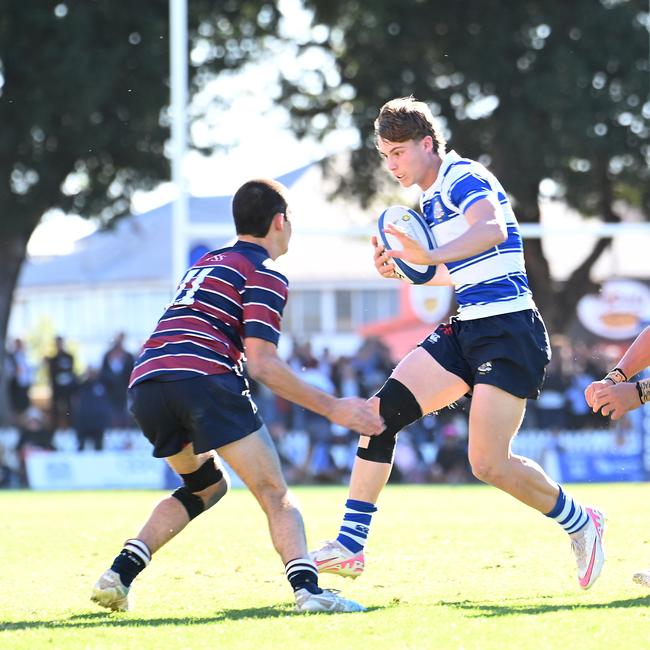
(411, 223)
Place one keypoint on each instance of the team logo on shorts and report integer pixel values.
(434, 338)
(484, 368)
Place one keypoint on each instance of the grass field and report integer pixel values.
(447, 567)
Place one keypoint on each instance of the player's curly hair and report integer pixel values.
(255, 204)
(406, 118)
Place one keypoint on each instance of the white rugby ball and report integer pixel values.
(417, 228)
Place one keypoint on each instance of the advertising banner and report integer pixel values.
(584, 467)
(94, 470)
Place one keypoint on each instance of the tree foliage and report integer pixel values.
(84, 87)
(536, 89)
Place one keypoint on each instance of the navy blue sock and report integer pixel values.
(303, 574)
(134, 557)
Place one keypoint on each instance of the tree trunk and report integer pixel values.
(557, 301)
(537, 267)
(580, 283)
(13, 248)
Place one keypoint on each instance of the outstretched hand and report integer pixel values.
(412, 251)
(613, 400)
(358, 415)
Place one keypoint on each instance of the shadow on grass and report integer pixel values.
(477, 609)
(119, 619)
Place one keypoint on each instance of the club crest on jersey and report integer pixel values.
(438, 212)
(484, 368)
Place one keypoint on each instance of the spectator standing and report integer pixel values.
(92, 410)
(19, 378)
(62, 384)
(35, 435)
(318, 463)
(117, 365)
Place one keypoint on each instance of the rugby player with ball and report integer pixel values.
(495, 348)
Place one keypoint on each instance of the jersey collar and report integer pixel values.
(447, 161)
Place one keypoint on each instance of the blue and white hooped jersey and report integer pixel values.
(494, 281)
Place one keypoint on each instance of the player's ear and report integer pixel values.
(278, 221)
(283, 220)
(427, 143)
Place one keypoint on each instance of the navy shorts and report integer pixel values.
(209, 412)
(509, 351)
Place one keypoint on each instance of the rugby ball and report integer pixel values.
(416, 227)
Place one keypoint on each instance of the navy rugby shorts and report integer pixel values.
(209, 412)
(509, 351)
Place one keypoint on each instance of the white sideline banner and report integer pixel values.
(94, 470)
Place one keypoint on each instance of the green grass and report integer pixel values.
(448, 567)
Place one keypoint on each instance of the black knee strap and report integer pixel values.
(399, 408)
(193, 503)
(208, 474)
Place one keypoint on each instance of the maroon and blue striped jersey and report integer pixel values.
(230, 294)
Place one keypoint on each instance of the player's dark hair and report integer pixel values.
(405, 118)
(254, 205)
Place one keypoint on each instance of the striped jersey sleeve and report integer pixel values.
(492, 281)
(466, 188)
(265, 295)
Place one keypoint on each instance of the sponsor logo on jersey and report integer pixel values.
(434, 338)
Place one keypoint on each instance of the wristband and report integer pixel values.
(643, 388)
(616, 376)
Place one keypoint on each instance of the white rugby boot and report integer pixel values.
(587, 546)
(327, 601)
(333, 557)
(110, 592)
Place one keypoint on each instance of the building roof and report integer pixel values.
(138, 247)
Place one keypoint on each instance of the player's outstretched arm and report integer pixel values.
(615, 400)
(613, 394)
(637, 356)
(265, 365)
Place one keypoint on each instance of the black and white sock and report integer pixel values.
(134, 557)
(303, 574)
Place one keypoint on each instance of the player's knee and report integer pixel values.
(202, 488)
(274, 496)
(398, 408)
(487, 470)
(214, 493)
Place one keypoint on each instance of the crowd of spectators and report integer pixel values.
(311, 448)
(88, 403)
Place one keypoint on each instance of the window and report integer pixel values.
(311, 312)
(343, 301)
